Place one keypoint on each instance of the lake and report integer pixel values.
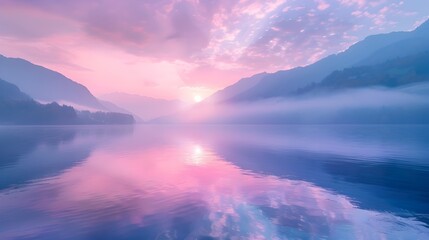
(214, 182)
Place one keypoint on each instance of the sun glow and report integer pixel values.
(197, 98)
(197, 150)
(196, 156)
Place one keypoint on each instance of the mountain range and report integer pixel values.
(372, 50)
(393, 73)
(46, 85)
(17, 107)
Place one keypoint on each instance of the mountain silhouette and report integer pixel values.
(372, 50)
(44, 84)
(17, 107)
(393, 73)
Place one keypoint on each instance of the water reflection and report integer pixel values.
(382, 168)
(30, 153)
(224, 183)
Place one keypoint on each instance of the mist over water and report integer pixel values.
(375, 105)
(215, 182)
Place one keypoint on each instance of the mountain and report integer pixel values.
(115, 108)
(242, 85)
(146, 108)
(44, 84)
(10, 92)
(17, 107)
(393, 73)
(416, 42)
(372, 50)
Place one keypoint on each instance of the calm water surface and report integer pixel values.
(214, 182)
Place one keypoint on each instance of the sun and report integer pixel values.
(197, 98)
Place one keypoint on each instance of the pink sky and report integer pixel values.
(181, 48)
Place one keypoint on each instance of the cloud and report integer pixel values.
(359, 3)
(228, 39)
(322, 5)
(206, 30)
(164, 29)
(297, 39)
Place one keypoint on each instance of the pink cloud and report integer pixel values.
(359, 3)
(322, 5)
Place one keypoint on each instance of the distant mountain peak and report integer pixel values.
(424, 27)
